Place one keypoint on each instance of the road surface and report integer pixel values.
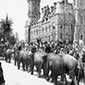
(13, 76)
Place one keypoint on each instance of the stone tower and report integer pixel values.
(79, 9)
(33, 14)
(33, 10)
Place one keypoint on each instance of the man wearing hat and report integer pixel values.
(2, 81)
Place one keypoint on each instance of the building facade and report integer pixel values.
(79, 9)
(55, 23)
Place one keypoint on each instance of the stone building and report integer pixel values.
(79, 9)
(55, 22)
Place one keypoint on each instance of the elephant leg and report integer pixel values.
(23, 64)
(27, 63)
(64, 76)
(73, 81)
(47, 75)
(27, 66)
(6, 58)
(51, 75)
(32, 67)
(38, 66)
(18, 64)
(15, 61)
(45, 69)
(79, 76)
(54, 78)
(9, 58)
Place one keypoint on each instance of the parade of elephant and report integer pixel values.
(52, 63)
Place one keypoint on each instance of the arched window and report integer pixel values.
(42, 29)
(81, 19)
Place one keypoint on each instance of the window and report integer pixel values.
(46, 28)
(49, 28)
(42, 29)
(37, 31)
(61, 26)
(34, 32)
(81, 19)
(60, 36)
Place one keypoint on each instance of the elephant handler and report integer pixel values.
(2, 81)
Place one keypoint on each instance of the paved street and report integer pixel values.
(13, 76)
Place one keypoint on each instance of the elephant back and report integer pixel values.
(56, 63)
(69, 60)
(23, 54)
(54, 59)
(70, 65)
(38, 56)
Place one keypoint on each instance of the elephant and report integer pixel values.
(60, 65)
(55, 64)
(24, 58)
(70, 67)
(8, 55)
(38, 61)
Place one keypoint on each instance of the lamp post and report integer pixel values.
(28, 31)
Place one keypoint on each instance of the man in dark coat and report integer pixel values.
(48, 48)
(2, 81)
(33, 50)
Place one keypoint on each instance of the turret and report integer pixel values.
(33, 10)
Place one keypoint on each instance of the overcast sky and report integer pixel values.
(17, 11)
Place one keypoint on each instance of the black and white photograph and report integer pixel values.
(42, 42)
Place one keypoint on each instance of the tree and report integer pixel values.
(6, 27)
(6, 24)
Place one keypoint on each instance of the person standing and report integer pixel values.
(2, 81)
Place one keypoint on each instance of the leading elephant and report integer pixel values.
(61, 65)
(55, 64)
